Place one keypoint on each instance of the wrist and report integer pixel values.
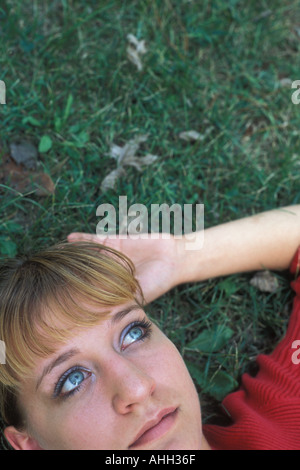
(191, 258)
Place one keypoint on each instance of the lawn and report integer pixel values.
(223, 69)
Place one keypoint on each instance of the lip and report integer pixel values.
(156, 427)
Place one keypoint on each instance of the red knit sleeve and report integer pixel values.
(295, 270)
(265, 411)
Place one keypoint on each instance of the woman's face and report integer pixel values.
(118, 385)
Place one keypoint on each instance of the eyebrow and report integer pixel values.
(122, 313)
(117, 317)
(56, 362)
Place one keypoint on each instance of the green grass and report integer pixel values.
(210, 66)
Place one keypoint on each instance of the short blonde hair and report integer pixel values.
(45, 296)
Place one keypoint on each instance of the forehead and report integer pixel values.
(59, 322)
(103, 319)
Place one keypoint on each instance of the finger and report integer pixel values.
(88, 237)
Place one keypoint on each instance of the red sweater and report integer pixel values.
(265, 411)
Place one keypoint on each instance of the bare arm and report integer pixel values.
(264, 241)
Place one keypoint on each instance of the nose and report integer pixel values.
(131, 386)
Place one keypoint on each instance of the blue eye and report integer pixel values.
(70, 382)
(136, 331)
(73, 381)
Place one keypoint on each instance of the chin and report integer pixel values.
(183, 444)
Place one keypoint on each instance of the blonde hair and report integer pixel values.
(45, 296)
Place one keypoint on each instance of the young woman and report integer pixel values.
(86, 369)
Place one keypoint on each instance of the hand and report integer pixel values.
(157, 261)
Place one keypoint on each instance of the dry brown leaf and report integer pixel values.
(126, 156)
(135, 50)
(265, 281)
(24, 181)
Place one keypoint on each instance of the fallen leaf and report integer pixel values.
(126, 153)
(285, 82)
(24, 153)
(193, 136)
(265, 281)
(138, 163)
(135, 50)
(110, 180)
(126, 156)
(24, 181)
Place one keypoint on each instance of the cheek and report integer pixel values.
(84, 428)
(80, 425)
(172, 371)
(168, 359)
(181, 389)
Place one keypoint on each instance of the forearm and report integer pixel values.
(264, 241)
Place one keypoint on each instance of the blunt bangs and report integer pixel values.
(45, 297)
